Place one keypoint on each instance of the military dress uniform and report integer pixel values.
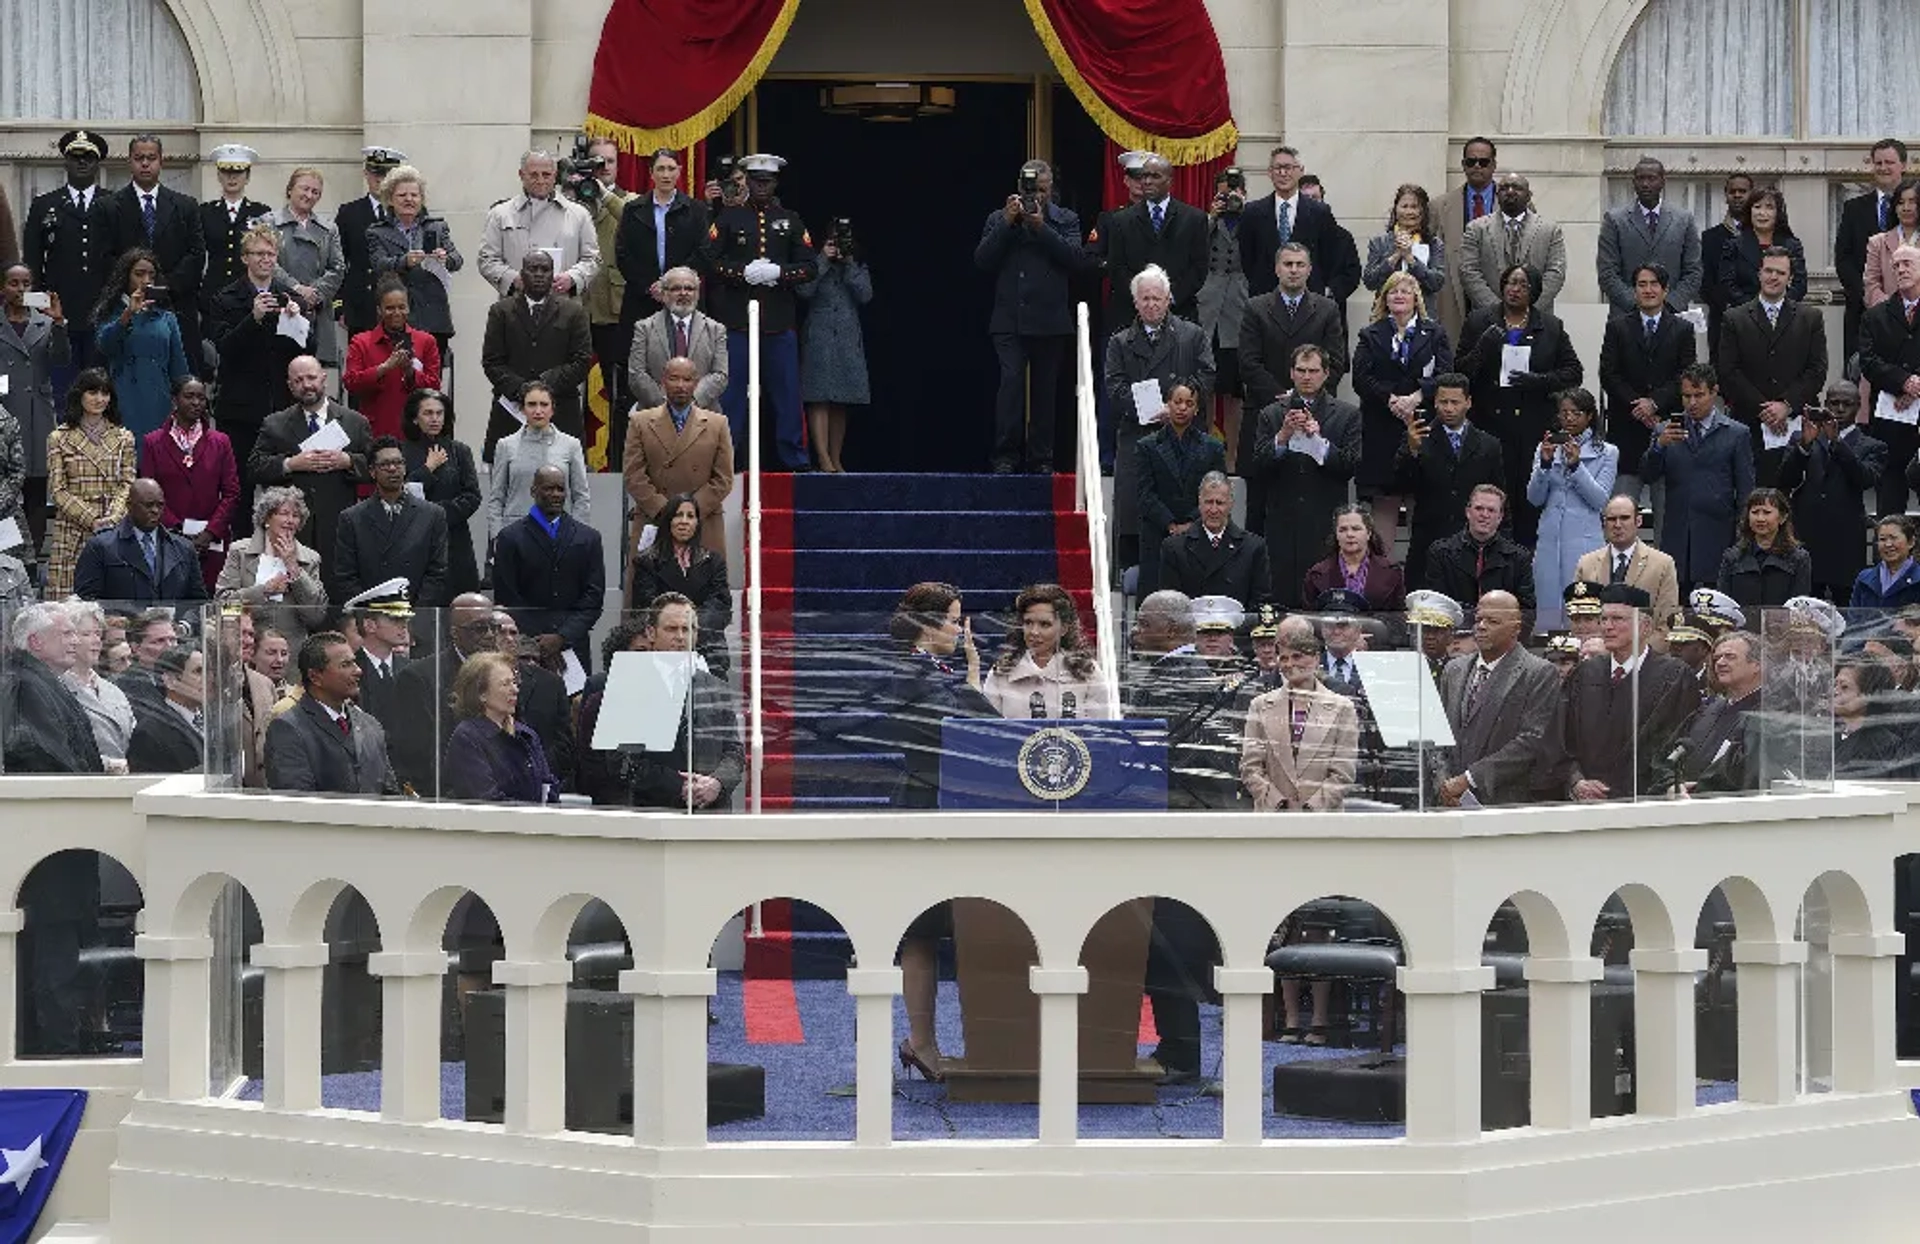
(223, 225)
(69, 245)
(738, 237)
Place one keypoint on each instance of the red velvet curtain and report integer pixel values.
(669, 71)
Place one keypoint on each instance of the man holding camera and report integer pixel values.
(600, 193)
(758, 251)
(1032, 246)
(538, 219)
(1773, 362)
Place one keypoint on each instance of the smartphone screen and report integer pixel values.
(37, 299)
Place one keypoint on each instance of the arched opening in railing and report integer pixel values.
(81, 988)
(350, 1007)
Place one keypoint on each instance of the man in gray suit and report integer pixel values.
(1516, 234)
(682, 330)
(1502, 703)
(1646, 231)
(325, 744)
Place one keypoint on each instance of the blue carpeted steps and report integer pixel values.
(838, 551)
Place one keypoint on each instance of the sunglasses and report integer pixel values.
(1476, 161)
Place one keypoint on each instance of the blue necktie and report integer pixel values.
(1653, 330)
(1286, 223)
(149, 216)
(1159, 215)
(313, 424)
(152, 554)
(1453, 438)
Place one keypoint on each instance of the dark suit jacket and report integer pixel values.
(543, 706)
(653, 778)
(1706, 486)
(44, 728)
(1740, 268)
(307, 752)
(1514, 730)
(1440, 484)
(253, 360)
(553, 586)
(1859, 221)
(1269, 335)
(1825, 483)
(635, 252)
(1032, 267)
(1190, 563)
(558, 350)
(178, 242)
(370, 547)
(220, 238)
(1169, 480)
(1203, 760)
(1467, 571)
(1889, 350)
(1180, 247)
(381, 696)
(1762, 363)
(356, 291)
(1604, 739)
(328, 493)
(455, 488)
(1629, 370)
(112, 568)
(1260, 241)
(164, 742)
(71, 252)
(424, 719)
(1301, 494)
(918, 698)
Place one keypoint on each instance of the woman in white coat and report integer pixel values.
(1572, 478)
(1047, 668)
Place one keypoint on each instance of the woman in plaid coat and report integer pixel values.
(89, 470)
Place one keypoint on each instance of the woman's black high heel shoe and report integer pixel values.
(910, 1062)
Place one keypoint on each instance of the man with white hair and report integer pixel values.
(539, 219)
(1159, 347)
(1890, 361)
(1158, 231)
(679, 330)
(46, 731)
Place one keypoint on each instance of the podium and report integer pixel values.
(1064, 766)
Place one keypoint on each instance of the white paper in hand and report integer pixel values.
(268, 569)
(191, 527)
(645, 701)
(10, 537)
(513, 408)
(559, 259)
(1513, 359)
(1421, 252)
(332, 435)
(1770, 439)
(648, 533)
(416, 489)
(1883, 408)
(1147, 402)
(1696, 316)
(439, 270)
(1314, 447)
(5, 383)
(294, 326)
(573, 673)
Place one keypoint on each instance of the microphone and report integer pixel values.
(1037, 705)
(1069, 703)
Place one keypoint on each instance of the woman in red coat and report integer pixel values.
(387, 363)
(194, 466)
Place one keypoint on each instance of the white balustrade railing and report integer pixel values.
(1779, 1162)
(756, 649)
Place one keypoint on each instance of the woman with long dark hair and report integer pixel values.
(1767, 566)
(676, 561)
(139, 341)
(1047, 668)
(1867, 744)
(1410, 244)
(443, 467)
(1766, 227)
(90, 467)
(1357, 561)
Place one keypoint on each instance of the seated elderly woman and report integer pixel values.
(275, 573)
(1047, 668)
(490, 755)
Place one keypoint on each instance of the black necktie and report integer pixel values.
(1619, 569)
(1886, 214)
(149, 215)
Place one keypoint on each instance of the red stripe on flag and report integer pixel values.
(772, 1012)
(1149, 1035)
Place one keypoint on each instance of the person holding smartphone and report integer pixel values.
(140, 341)
(388, 362)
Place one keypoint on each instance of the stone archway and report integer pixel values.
(266, 83)
(1572, 46)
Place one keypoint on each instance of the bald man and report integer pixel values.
(678, 447)
(1502, 703)
(137, 561)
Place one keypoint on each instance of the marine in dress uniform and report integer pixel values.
(353, 220)
(69, 245)
(223, 222)
(758, 251)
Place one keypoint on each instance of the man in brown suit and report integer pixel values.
(1646, 568)
(677, 447)
(532, 334)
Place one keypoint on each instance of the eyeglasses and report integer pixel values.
(1476, 161)
(1288, 168)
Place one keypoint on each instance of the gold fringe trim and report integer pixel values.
(1196, 150)
(683, 134)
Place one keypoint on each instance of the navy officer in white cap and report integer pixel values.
(223, 222)
(758, 251)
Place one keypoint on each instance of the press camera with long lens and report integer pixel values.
(580, 172)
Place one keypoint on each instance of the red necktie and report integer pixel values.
(344, 728)
(1619, 675)
(679, 339)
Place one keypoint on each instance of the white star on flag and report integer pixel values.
(21, 1164)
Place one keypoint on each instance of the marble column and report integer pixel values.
(410, 997)
(1443, 1051)
(1664, 1055)
(873, 990)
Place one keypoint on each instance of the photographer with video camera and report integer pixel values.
(833, 355)
(1031, 245)
(1223, 300)
(592, 181)
(538, 219)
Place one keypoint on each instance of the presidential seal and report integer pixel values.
(1055, 764)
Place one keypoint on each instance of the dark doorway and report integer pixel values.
(918, 194)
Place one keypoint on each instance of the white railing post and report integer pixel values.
(291, 1031)
(1243, 993)
(873, 990)
(1059, 990)
(756, 738)
(1663, 1038)
(1560, 1016)
(410, 991)
(1087, 497)
(536, 1087)
(1768, 1024)
(1863, 1010)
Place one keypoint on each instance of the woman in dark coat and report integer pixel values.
(443, 467)
(194, 466)
(677, 561)
(1522, 411)
(1868, 742)
(1170, 462)
(1395, 362)
(930, 631)
(1740, 256)
(833, 355)
(1767, 566)
(491, 755)
(1357, 562)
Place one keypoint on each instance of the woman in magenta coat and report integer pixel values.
(194, 466)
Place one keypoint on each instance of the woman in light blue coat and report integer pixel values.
(1572, 478)
(139, 341)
